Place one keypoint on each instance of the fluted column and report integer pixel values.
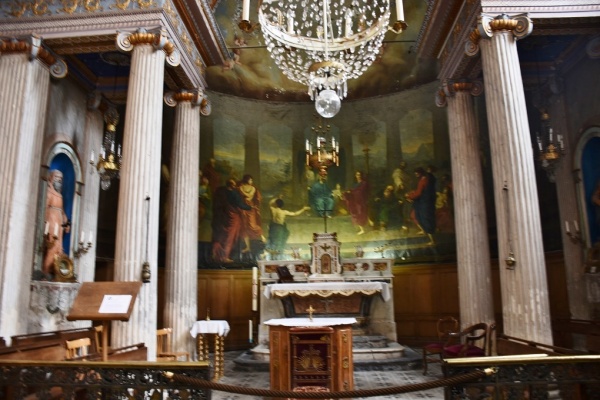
(525, 306)
(94, 130)
(138, 213)
(181, 269)
(25, 70)
(472, 242)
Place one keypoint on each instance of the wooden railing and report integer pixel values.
(527, 377)
(99, 380)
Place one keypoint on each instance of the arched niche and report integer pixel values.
(62, 157)
(586, 163)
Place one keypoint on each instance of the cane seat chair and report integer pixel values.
(163, 347)
(472, 341)
(432, 352)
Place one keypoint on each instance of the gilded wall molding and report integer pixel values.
(41, 8)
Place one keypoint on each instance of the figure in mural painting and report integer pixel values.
(57, 222)
(227, 220)
(444, 205)
(320, 196)
(402, 181)
(423, 201)
(251, 220)
(388, 209)
(204, 220)
(338, 200)
(278, 230)
(213, 176)
(357, 202)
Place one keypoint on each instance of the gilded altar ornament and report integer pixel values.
(310, 360)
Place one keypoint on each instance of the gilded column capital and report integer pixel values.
(126, 41)
(472, 44)
(196, 97)
(32, 46)
(450, 88)
(520, 25)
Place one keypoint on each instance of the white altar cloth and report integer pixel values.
(326, 289)
(215, 326)
(307, 322)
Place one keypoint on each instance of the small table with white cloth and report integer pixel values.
(220, 329)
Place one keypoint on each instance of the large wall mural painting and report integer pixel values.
(388, 195)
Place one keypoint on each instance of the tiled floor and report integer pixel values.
(362, 380)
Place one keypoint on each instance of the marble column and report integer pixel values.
(472, 242)
(25, 70)
(524, 289)
(94, 132)
(136, 239)
(181, 268)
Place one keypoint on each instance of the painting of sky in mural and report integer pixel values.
(249, 72)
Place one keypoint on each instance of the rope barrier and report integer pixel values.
(471, 376)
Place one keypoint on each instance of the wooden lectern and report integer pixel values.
(104, 301)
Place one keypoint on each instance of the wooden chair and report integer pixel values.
(471, 342)
(98, 330)
(432, 352)
(163, 347)
(77, 348)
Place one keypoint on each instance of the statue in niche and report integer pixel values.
(56, 221)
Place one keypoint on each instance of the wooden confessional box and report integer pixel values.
(310, 359)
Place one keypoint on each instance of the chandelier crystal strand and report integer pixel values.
(323, 43)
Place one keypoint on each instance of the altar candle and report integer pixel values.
(254, 274)
(576, 225)
(567, 226)
(46, 228)
(56, 229)
(81, 240)
(91, 237)
(250, 330)
(92, 157)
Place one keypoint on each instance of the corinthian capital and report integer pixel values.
(520, 25)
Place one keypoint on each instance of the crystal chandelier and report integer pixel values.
(550, 146)
(324, 43)
(322, 150)
(109, 161)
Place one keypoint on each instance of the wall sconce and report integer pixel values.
(575, 235)
(84, 246)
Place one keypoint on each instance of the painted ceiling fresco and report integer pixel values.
(251, 73)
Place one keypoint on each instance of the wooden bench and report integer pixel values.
(54, 337)
(52, 351)
(508, 345)
(135, 352)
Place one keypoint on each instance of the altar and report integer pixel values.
(332, 287)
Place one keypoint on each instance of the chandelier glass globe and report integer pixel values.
(328, 103)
